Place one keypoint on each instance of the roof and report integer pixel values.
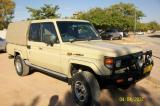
(47, 20)
(51, 20)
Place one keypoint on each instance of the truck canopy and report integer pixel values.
(17, 32)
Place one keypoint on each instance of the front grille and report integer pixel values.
(128, 60)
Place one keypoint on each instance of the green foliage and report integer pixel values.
(142, 26)
(153, 26)
(120, 16)
(6, 12)
(96, 16)
(45, 12)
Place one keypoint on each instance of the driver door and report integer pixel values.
(43, 54)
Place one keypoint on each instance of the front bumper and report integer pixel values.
(130, 76)
(120, 80)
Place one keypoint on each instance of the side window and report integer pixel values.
(35, 33)
(48, 31)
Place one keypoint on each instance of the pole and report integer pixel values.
(135, 22)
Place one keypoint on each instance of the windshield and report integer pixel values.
(78, 31)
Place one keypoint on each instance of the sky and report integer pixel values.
(150, 8)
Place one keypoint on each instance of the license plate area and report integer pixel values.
(147, 69)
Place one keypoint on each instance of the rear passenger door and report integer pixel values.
(40, 53)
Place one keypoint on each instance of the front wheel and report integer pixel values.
(85, 89)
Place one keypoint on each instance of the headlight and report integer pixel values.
(149, 59)
(108, 62)
(140, 62)
(140, 57)
(118, 63)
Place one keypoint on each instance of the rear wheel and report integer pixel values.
(85, 89)
(21, 68)
(111, 38)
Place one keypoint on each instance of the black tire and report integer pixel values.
(4, 50)
(23, 69)
(120, 37)
(110, 37)
(90, 88)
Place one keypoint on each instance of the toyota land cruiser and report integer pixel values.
(72, 51)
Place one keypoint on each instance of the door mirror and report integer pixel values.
(49, 39)
(52, 40)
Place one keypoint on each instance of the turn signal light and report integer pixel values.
(119, 80)
(108, 61)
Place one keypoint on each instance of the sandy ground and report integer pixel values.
(40, 90)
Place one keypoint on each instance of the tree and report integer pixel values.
(6, 12)
(120, 16)
(96, 16)
(45, 12)
(153, 26)
(142, 26)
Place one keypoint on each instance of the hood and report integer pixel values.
(99, 47)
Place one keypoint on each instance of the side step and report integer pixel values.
(48, 72)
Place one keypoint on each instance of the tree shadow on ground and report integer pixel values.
(34, 102)
(68, 100)
(154, 36)
(135, 93)
(112, 98)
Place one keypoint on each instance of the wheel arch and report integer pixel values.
(84, 66)
(18, 53)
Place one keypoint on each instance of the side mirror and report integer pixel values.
(49, 39)
(52, 40)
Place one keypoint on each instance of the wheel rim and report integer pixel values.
(18, 65)
(80, 91)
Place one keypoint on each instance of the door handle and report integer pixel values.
(28, 46)
(40, 48)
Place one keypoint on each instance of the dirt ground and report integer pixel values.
(40, 90)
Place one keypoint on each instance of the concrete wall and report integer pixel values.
(3, 33)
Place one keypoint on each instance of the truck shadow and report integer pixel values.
(112, 98)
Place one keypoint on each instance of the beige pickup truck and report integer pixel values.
(72, 51)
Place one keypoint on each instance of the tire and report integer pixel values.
(111, 38)
(85, 83)
(5, 50)
(120, 37)
(21, 68)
